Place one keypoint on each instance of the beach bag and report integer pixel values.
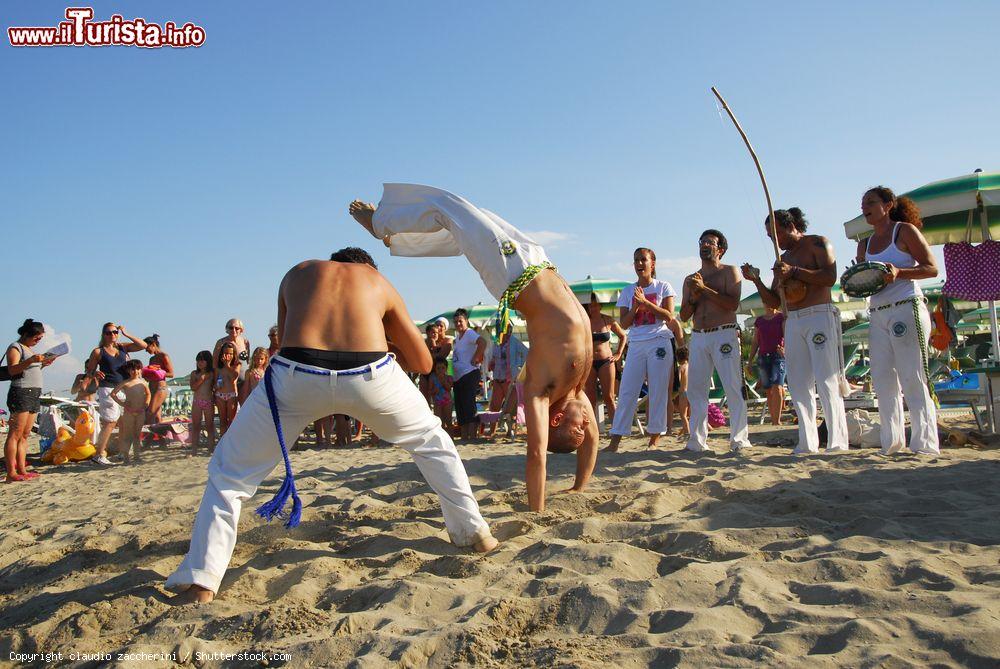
(715, 416)
(973, 271)
(862, 429)
(4, 373)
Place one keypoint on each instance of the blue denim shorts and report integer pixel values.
(772, 369)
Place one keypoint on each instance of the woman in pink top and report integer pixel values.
(769, 345)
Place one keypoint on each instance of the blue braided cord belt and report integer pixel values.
(275, 507)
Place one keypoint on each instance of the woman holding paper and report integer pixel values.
(25, 368)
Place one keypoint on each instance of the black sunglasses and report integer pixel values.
(111, 332)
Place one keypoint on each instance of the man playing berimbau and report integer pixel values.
(813, 353)
(712, 296)
(415, 220)
(335, 319)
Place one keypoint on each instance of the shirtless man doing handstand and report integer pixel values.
(416, 221)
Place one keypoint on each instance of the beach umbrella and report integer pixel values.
(480, 315)
(857, 334)
(948, 208)
(607, 290)
(978, 316)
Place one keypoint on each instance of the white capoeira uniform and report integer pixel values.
(424, 221)
(898, 335)
(814, 360)
(650, 358)
(380, 395)
(719, 348)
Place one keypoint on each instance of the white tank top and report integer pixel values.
(900, 289)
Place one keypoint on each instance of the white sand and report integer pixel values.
(850, 560)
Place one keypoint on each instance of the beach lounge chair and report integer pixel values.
(965, 389)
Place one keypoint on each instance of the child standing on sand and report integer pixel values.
(227, 373)
(137, 399)
(258, 365)
(680, 399)
(202, 410)
(440, 389)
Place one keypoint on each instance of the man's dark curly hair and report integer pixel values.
(353, 254)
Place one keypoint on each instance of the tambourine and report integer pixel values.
(864, 279)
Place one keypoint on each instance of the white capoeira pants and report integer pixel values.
(382, 398)
(651, 360)
(814, 359)
(719, 349)
(425, 221)
(898, 343)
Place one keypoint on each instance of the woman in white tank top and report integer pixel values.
(900, 324)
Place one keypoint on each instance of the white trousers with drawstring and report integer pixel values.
(899, 357)
(383, 398)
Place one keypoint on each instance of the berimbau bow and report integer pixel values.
(767, 193)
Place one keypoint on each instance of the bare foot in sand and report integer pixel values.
(612, 447)
(652, 441)
(195, 594)
(485, 545)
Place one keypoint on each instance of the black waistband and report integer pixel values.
(335, 360)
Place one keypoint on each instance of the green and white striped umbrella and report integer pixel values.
(480, 315)
(978, 316)
(607, 290)
(945, 207)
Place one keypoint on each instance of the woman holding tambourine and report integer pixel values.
(900, 324)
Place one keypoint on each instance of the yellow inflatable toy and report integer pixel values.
(72, 446)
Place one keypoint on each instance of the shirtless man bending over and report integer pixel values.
(325, 367)
(712, 296)
(423, 221)
(812, 329)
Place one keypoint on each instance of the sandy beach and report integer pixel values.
(667, 559)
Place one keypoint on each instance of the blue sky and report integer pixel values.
(171, 189)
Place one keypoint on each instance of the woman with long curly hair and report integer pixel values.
(900, 324)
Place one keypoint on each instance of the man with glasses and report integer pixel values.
(234, 335)
(712, 296)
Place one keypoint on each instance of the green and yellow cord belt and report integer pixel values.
(922, 342)
(502, 321)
